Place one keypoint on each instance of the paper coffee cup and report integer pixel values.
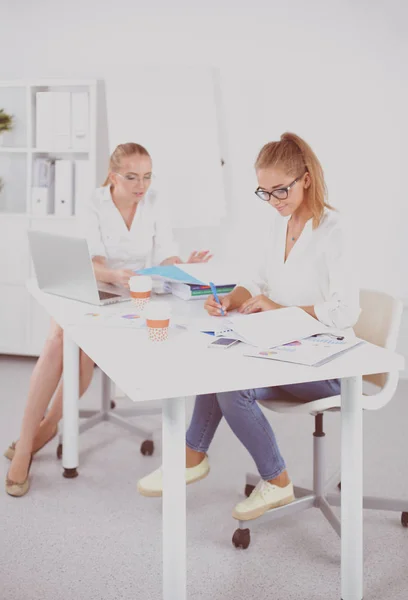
(140, 290)
(157, 316)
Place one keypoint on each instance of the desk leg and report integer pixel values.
(70, 422)
(351, 489)
(174, 499)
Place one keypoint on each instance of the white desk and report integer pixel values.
(183, 367)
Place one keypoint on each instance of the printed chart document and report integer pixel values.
(312, 351)
(128, 319)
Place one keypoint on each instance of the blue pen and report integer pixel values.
(214, 292)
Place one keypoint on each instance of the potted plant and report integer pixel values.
(6, 123)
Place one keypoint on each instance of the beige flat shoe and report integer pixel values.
(152, 485)
(264, 497)
(18, 489)
(11, 450)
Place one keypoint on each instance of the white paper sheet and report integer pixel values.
(312, 352)
(276, 327)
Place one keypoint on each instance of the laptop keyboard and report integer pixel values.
(107, 295)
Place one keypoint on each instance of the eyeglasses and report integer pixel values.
(132, 177)
(279, 194)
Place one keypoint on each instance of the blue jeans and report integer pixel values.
(247, 421)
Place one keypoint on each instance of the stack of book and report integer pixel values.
(189, 291)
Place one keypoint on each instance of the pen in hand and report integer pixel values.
(214, 293)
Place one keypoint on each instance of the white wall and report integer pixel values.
(332, 71)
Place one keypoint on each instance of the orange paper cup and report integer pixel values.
(158, 330)
(140, 295)
(140, 300)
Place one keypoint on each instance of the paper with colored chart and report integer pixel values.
(312, 351)
(127, 319)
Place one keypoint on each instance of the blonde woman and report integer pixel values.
(306, 263)
(127, 228)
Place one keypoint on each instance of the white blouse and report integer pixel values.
(148, 242)
(318, 271)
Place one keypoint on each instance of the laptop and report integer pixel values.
(63, 266)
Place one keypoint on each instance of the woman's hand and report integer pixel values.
(258, 304)
(200, 257)
(122, 276)
(214, 309)
(172, 260)
(195, 257)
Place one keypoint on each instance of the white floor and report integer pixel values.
(95, 538)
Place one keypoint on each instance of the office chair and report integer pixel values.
(379, 324)
(109, 412)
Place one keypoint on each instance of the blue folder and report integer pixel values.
(170, 273)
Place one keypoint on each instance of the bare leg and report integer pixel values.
(54, 415)
(44, 381)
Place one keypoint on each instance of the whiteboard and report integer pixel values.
(172, 112)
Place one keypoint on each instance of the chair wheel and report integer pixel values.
(147, 448)
(241, 538)
(113, 404)
(248, 490)
(339, 485)
(59, 451)
(404, 519)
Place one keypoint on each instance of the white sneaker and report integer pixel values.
(264, 497)
(152, 485)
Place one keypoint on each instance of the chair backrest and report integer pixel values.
(379, 324)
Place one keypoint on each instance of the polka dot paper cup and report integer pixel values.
(158, 321)
(140, 291)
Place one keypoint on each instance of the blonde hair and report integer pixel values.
(122, 151)
(295, 156)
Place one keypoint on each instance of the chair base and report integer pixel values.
(306, 499)
(94, 417)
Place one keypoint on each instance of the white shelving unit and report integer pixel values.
(23, 325)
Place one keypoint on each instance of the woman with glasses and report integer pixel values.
(306, 263)
(127, 228)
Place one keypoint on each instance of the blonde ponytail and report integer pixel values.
(294, 156)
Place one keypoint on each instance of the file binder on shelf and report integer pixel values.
(42, 201)
(42, 191)
(80, 121)
(83, 184)
(63, 188)
(44, 120)
(62, 120)
(53, 120)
